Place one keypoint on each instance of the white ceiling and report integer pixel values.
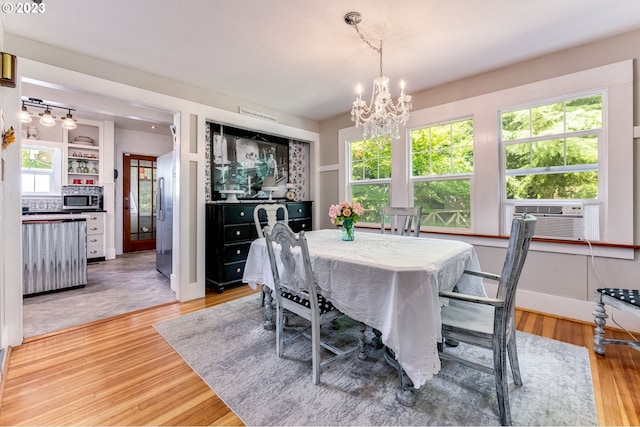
(298, 56)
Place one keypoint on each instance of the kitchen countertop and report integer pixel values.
(63, 212)
(55, 217)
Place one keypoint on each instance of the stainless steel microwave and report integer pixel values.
(82, 201)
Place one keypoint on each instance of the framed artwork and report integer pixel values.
(254, 164)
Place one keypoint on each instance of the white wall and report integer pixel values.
(10, 221)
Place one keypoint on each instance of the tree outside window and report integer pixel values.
(370, 175)
(551, 150)
(441, 170)
(41, 170)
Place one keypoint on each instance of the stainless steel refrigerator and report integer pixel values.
(164, 213)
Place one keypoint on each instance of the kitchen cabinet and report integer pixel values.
(230, 229)
(95, 236)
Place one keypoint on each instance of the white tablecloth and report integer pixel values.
(390, 283)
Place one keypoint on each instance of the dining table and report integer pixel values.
(388, 282)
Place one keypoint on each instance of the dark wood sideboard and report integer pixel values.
(230, 229)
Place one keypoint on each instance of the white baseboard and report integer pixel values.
(110, 253)
(569, 308)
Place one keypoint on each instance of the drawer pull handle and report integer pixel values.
(93, 240)
(241, 213)
(238, 233)
(93, 252)
(304, 225)
(93, 228)
(238, 252)
(94, 218)
(299, 209)
(238, 270)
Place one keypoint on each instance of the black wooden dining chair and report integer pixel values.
(400, 221)
(627, 300)
(489, 322)
(297, 292)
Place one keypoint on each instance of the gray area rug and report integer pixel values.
(228, 347)
(128, 283)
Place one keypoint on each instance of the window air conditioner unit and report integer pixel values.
(565, 222)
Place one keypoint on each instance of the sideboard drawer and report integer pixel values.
(237, 233)
(299, 210)
(298, 225)
(236, 252)
(238, 214)
(233, 271)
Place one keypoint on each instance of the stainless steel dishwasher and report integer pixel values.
(54, 253)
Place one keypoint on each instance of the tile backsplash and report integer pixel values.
(83, 189)
(42, 203)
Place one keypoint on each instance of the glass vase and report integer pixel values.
(348, 231)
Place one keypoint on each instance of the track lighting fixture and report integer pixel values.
(69, 122)
(25, 117)
(46, 117)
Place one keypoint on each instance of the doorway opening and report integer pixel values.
(139, 202)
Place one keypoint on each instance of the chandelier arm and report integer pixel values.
(380, 58)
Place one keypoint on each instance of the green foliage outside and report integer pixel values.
(370, 160)
(564, 166)
(36, 159)
(444, 203)
(444, 150)
(372, 197)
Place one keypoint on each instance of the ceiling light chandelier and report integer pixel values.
(382, 117)
(46, 117)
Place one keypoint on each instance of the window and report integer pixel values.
(551, 150)
(41, 174)
(441, 170)
(566, 139)
(370, 175)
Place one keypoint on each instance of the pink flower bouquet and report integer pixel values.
(344, 210)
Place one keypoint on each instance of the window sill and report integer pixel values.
(575, 247)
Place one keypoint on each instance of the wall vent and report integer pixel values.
(565, 222)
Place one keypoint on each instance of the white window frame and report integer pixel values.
(443, 177)
(602, 149)
(56, 175)
(489, 209)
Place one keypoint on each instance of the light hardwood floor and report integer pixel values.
(119, 371)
